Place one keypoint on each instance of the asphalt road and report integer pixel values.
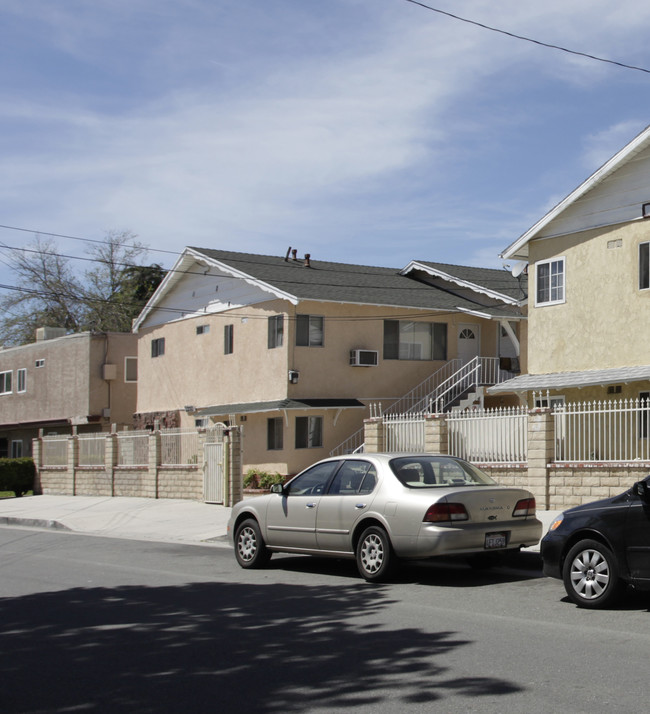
(90, 624)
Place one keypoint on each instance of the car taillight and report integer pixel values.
(445, 512)
(525, 507)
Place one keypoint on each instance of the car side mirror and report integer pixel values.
(277, 488)
(642, 490)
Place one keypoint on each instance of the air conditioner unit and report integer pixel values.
(364, 358)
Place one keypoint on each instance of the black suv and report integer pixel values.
(598, 547)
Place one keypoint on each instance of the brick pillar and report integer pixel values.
(373, 435)
(436, 440)
(234, 466)
(541, 451)
(37, 456)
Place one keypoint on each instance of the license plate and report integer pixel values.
(495, 540)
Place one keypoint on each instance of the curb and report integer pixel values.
(32, 523)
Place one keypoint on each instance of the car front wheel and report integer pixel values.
(250, 549)
(590, 575)
(374, 554)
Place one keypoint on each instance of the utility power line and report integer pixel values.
(528, 39)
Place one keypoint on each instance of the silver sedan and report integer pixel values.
(379, 508)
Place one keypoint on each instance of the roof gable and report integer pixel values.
(611, 195)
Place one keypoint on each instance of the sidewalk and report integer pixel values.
(166, 520)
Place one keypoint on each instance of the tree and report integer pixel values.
(48, 292)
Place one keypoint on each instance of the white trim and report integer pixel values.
(475, 287)
(519, 248)
(549, 261)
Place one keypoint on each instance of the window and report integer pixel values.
(274, 434)
(21, 380)
(276, 330)
(313, 481)
(16, 449)
(4, 448)
(202, 422)
(354, 478)
(228, 344)
(644, 266)
(158, 347)
(130, 369)
(39, 363)
(549, 402)
(5, 382)
(309, 432)
(309, 331)
(550, 282)
(405, 339)
(202, 329)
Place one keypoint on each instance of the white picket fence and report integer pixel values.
(489, 436)
(614, 431)
(404, 432)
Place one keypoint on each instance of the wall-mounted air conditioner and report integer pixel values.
(364, 358)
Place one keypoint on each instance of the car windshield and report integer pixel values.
(437, 472)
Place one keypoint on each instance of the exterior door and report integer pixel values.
(468, 342)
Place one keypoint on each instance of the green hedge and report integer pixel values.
(17, 475)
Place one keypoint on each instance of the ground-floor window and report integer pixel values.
(309, 432)
(16, 449)
(274, 434)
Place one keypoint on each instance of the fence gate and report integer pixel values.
(215, 473)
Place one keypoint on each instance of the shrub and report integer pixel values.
(261, 479)
(17, 475)
(250, 479)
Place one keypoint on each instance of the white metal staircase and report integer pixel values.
(438, 393)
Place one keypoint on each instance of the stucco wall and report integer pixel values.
(605, 319)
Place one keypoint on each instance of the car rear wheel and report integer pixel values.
(250, 549)
(590, 575)
(374, 554)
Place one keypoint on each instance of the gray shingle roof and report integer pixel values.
(567, 380)
(348, 283)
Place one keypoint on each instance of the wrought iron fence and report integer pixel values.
(179, 447)
(404, 432)
(54, 450)
(133, 448)
(609, 431)
(92, 449)
(489, 435)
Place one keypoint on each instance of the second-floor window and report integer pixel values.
(644, 266)
(228, 339)
(309, 331)
(5, 382)
(550, 282)
(158, 347)
(406, 339)
(130, 369)
(276, 330)
(21, 380)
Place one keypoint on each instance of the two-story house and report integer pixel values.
(87, 380)
(295, 349)
(589, 279)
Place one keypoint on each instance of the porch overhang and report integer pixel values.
(573, 380)
(279, 405)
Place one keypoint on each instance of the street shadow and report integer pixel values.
(222, 647)
(438, 572)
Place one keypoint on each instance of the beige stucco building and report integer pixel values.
(589, 303)
(295, 350)
(87, 380)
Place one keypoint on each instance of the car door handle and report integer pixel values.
(311, 505)
(360, 505)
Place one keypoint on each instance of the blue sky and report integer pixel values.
(366, 131)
